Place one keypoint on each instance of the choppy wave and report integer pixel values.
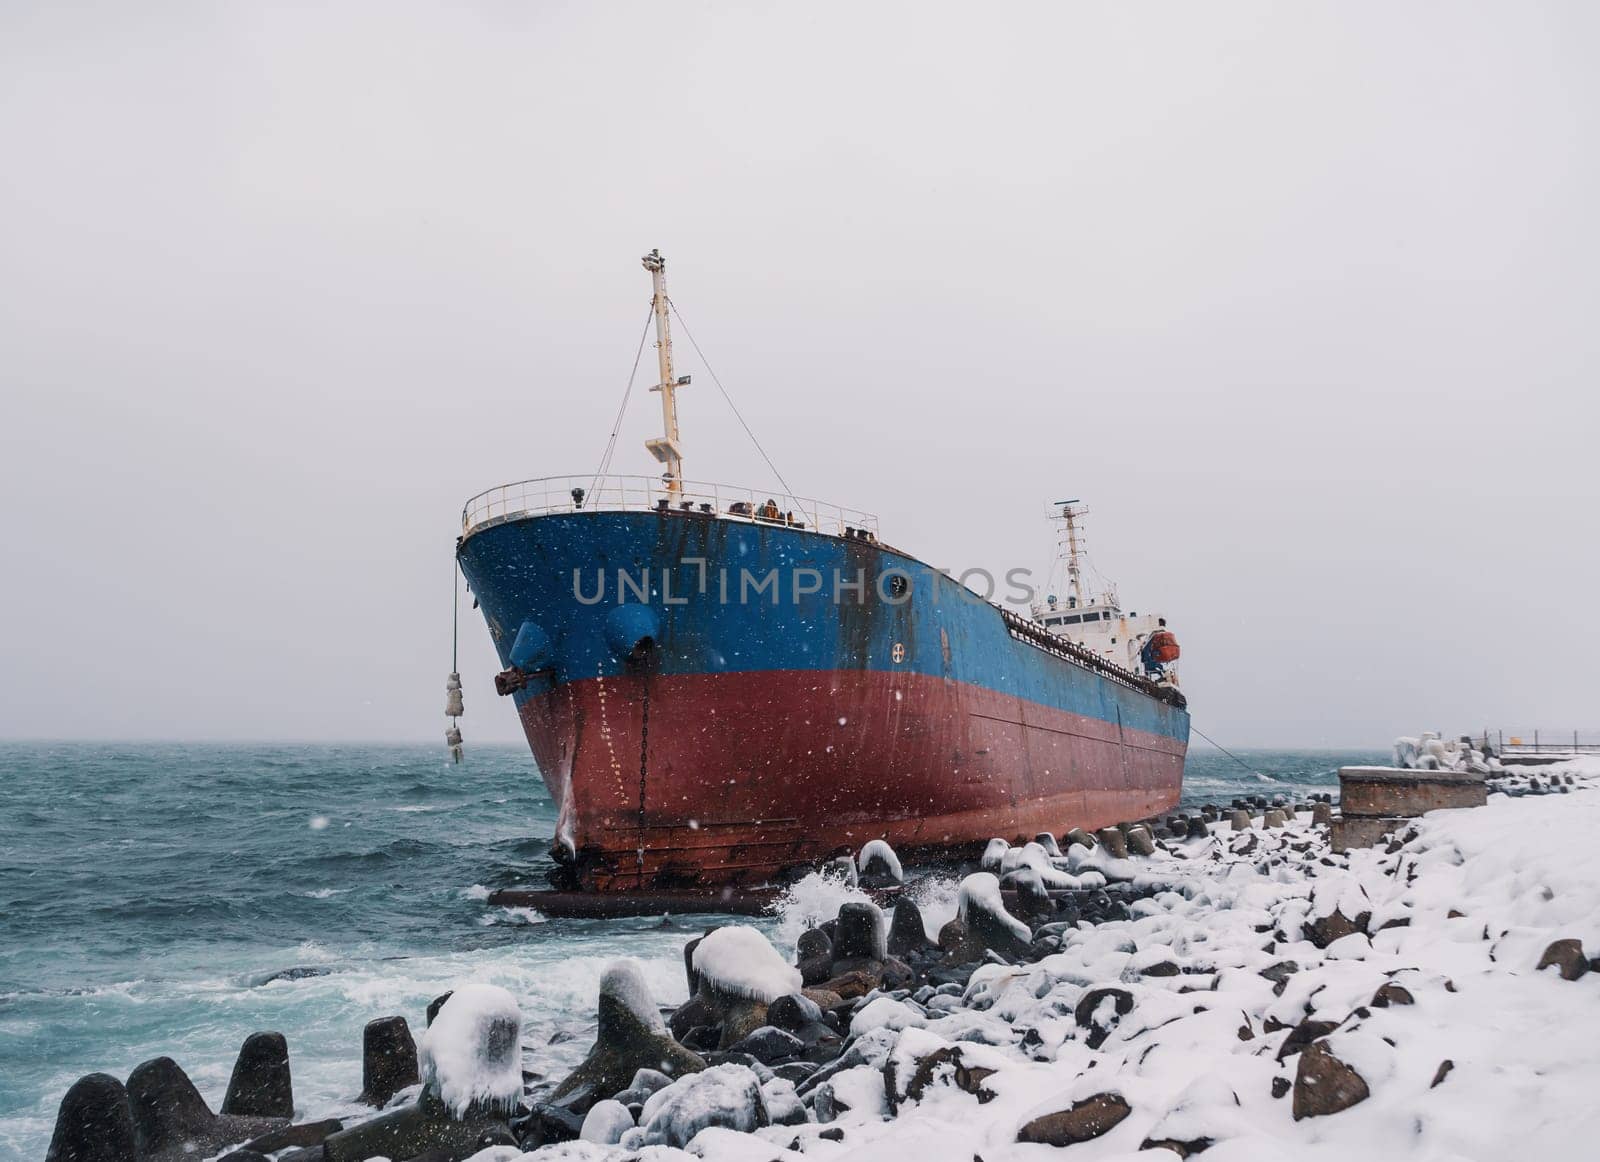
(808, 903)
(513, 916)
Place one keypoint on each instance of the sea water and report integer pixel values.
(170, 899)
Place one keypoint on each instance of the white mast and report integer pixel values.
(1070, 515)
(665, 448)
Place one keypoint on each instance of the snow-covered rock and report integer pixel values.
(471, 1056)
(860, 936)
(879, 864)
(738, 961)
(886, 1013)
(724, 1095)
(1472, 1053)
(982, 911)
(630, 1038)
(606, 1122)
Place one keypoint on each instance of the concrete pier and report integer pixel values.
(1376, 801)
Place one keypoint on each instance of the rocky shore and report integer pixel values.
(1217, 983)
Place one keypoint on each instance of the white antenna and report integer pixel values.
(666, 448)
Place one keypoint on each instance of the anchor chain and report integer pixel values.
(644, 765)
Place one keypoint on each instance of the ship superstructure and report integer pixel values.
(1092, 616)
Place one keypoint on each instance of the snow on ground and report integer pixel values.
(1220, 970)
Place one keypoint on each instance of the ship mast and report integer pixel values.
(1069, 517)
(665, 448)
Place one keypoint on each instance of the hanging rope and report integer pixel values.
(789, 492)
(1223, 749)
(453, 707)
(611, 444)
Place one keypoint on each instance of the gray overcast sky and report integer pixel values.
(1301, 298)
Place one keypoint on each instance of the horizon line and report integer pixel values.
(246, 741)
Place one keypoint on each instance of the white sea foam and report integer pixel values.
(810, 902)
(938, 899)
(516, 917)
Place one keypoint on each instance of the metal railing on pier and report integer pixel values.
(565, 494)
(1539, 742)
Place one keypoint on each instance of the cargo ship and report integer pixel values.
(720, 685)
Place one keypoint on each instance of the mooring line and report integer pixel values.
(1223, 749)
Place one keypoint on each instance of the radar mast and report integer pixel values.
(1071, 511)
(665, 448)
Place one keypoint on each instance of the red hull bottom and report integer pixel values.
(696, 781)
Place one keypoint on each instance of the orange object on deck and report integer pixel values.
(1164, 646)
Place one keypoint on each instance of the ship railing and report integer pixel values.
(1036, 635)
(565, 494)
